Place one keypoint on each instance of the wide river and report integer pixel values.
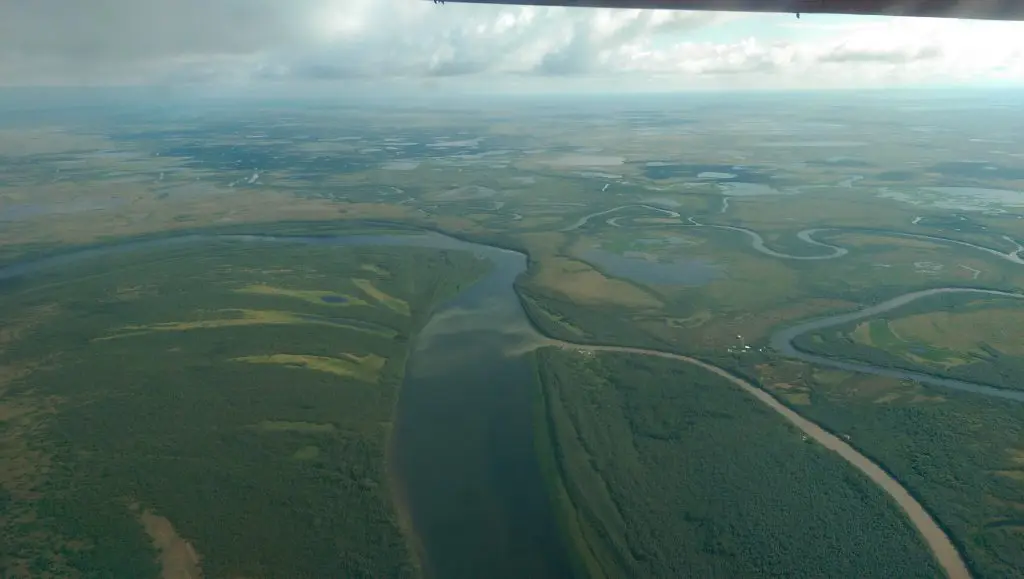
(464, 462)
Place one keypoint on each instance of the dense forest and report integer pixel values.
(669, 471)
(242, 391)
(960, 454)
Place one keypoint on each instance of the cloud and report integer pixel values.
(881, 54)
(244, 42)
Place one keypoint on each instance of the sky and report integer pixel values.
(390, 44)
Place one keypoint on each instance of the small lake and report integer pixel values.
(685, 271)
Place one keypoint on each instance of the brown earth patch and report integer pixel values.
(178, 559)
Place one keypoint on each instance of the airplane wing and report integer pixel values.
(980, 9)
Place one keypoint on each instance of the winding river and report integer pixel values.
(586, 218)
(942, 548)
(782, 342)
(807, 236)
(757, 242)
(463, 461)
(835, 251)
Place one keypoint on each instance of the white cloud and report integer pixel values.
(253, 41)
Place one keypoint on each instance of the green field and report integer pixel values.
(158, 416)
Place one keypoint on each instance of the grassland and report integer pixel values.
(963, 332)
(977, 340)
(232, 433)
(381, 297)
(660, 480)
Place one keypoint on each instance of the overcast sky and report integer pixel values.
(247, 43)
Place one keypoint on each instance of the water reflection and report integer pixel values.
(464, 447)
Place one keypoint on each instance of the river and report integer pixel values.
(806, 235)
(463, 461)
(941, 546)
(463, 458)
(782, 342)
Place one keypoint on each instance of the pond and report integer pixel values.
(680, 271)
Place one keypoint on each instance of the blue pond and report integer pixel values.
(334, 299)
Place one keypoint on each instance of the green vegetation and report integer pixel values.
(953, 335)
(233, 318)
(669, 471)
(364, 368)
(316, 297)
(146, 392)
(285, 426)
(370, 290)
(247, 427)
(959, 454)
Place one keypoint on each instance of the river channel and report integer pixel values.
(463, 457)
(782, 342)
(463, 460)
